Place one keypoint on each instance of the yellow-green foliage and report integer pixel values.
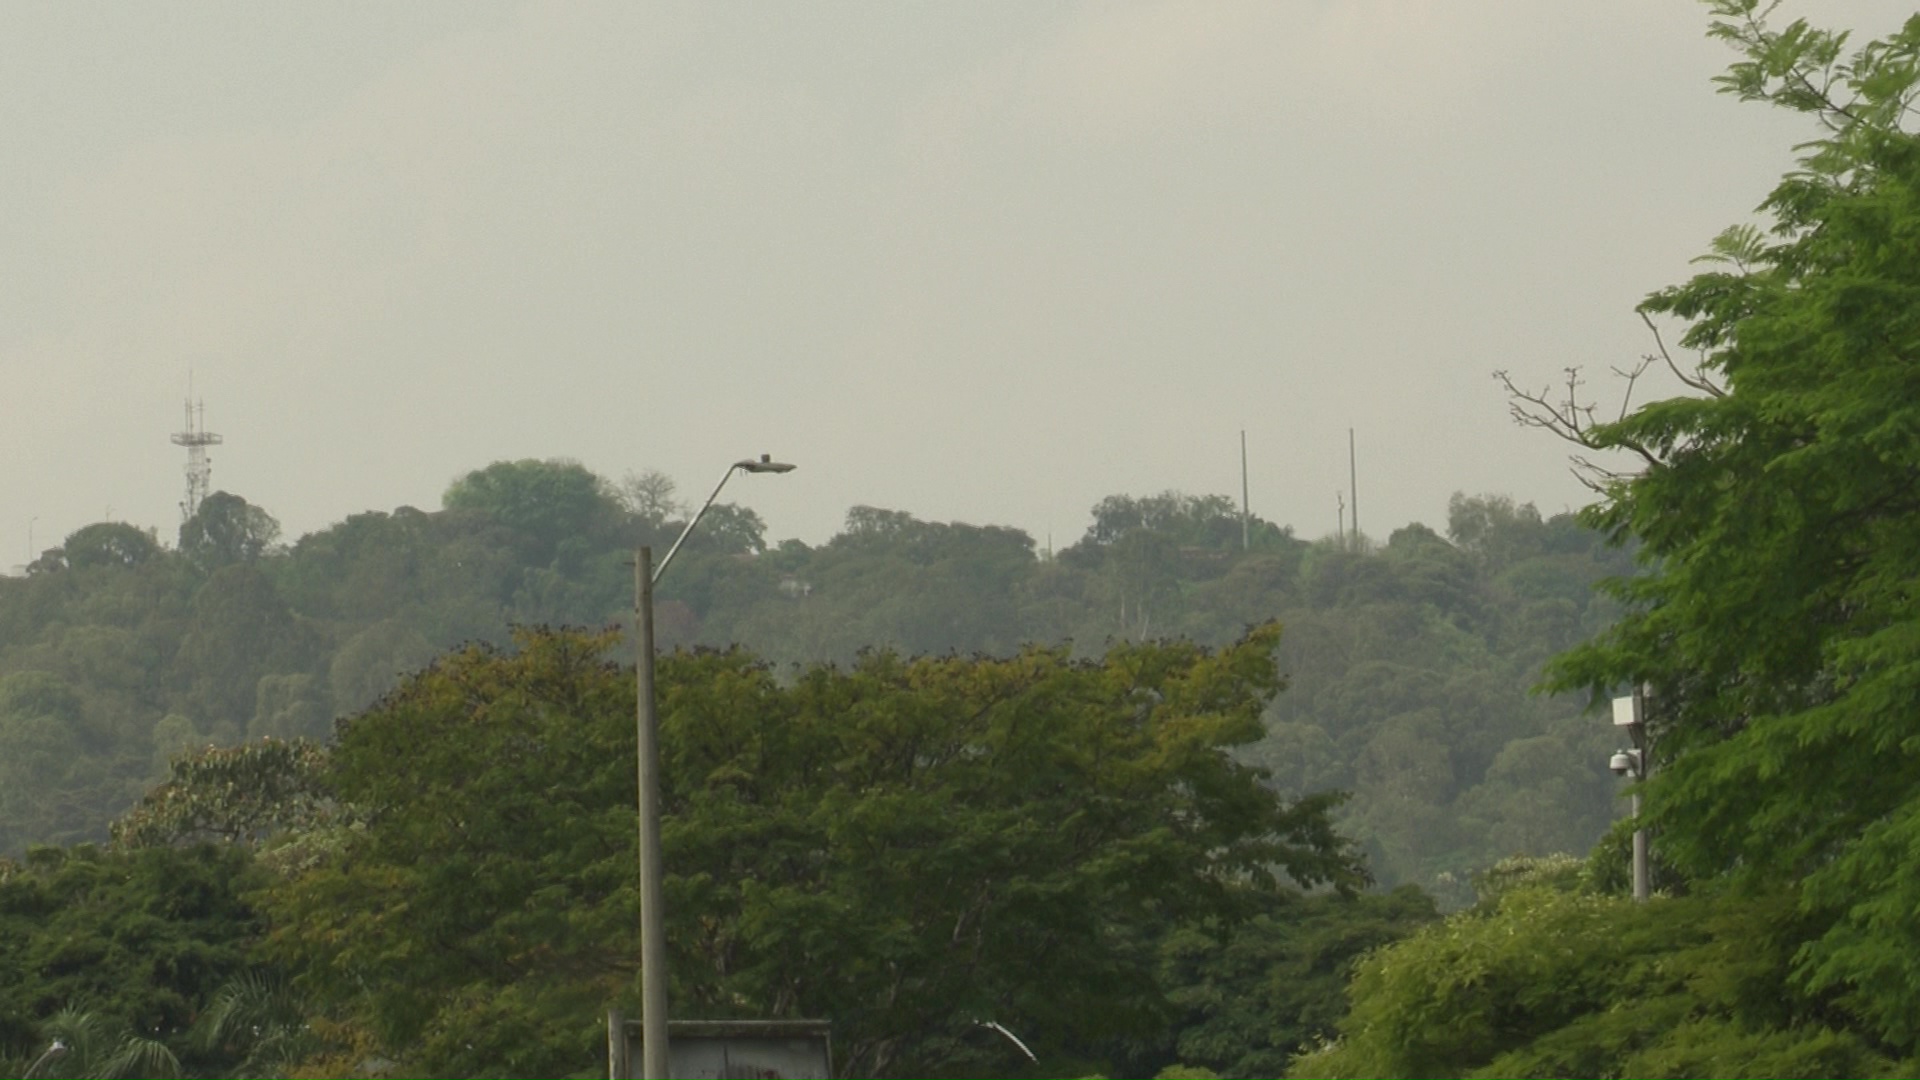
(1553, 981)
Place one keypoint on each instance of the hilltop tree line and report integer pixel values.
(192, 694)
(1411, 660)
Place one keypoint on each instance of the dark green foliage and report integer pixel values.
(224, 530)
(544, 504)
(1777, 621)
(44, 744)
(1551, 980)
(1773, 619)
(496, 861)
(108, 543)
(108, 944)
(1256, 993)
(1411, 662)
(906, 846)
(238, 630)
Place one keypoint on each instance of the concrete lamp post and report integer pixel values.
(653, 926)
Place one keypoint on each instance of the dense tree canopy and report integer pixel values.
(1773, 508)
(1548, 977)
(226, 529)
(1410, 659)
(1777, 623)
(906, 846)
(123, 948)
(554, 505)
(1254, 995)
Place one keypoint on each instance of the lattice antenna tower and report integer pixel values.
(196, 438)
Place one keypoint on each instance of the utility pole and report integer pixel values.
(1353, 485)
(1246, 514)
(1631, 713)
(653, 923)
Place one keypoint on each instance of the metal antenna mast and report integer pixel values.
(1353, 485)
(196, 438)
(1246, 512)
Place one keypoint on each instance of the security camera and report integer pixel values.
(1622, 762)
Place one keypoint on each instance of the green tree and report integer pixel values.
(907, 846)
(44, 763)
(117, 952)
(544, 503)
(235, 795)
(1548, 979)
(1256, 993)
(373, 661)
(260, 1021)
(1777, 507)
(226, 529)
(1206, 521)
(290, 707)
(82, 1043)
(238, 630)
(891, 580)
(109, 543)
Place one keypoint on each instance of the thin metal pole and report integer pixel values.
(619, 1066)
(1353, 485)
(653, 924)
(1639, 854)
(1245, 507)
(1643, 764)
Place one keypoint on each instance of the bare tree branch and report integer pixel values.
(1569, 418)
(1626, 397)
(1697, 379)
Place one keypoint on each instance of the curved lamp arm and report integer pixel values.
(1011, 1036)
(765, 464)
(56, 1050)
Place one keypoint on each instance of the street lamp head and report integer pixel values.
(56, 1050)
(764, 465)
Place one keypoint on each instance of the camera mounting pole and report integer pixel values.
(1631, 713)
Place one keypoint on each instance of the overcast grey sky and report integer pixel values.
(979, 262)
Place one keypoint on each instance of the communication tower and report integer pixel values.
(196, 438)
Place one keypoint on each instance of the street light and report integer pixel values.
(1631, 713)
(1015, 1039)
(766, 464)
(57, 1049)
(653, 925)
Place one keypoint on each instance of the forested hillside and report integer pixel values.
(1409, 660)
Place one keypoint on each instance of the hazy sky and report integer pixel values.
(979, 262)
